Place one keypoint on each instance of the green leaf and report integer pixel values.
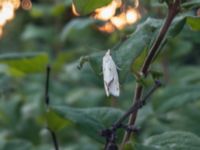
(126, 54)
(24, 63)
(129, 54)
(76, 25)
(174, 97)
(105, 115)
(63, 58)
(40, 11)
(176, 26)
(90, 121)
(189, 75)
(58, 9)
(33, 32)
(174, 140)
(194, 23)
(55, 122)
(144, 147)
(85, 7)
(190, 4)
(15, 145)
(130, 49)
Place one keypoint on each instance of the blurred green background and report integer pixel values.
(49, 33)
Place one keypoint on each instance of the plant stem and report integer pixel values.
(138, 105)
(48, 69)
(53, 134)
(173, 9)
(54, 138)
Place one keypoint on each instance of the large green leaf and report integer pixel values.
(87, 6)
(90, 121)
(21, 64)
(174, 140)
(130, 51)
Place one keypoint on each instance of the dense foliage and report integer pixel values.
(50, 33)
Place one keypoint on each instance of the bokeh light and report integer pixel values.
(115, 15)
(7, 10)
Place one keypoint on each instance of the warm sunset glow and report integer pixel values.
(75, 11)
(16, 3)
(105, 13)
(1, 31)
(132, 16)
(7, 11)
(2, 19)
(108, 27)
(119, 21)
(115, 15)
(118, 3)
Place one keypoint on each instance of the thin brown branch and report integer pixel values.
(138, 105)
(110, 133)
(173, 9)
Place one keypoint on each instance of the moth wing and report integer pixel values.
(110, 76)
(108, 65)
(106, 89)
(114, 85)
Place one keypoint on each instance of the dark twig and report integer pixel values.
(54, 138)
(53, 134)
(110, 134)
(48, 69)
(173, 9)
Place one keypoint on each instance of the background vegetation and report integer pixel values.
(49, 33)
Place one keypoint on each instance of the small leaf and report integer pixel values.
(54, 121)
(156, 74)
(194, 23)
(85, 7)
(24, 63)
(176, 26)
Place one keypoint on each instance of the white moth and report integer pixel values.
(110, 75)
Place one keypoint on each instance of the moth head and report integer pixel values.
(108, 52)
